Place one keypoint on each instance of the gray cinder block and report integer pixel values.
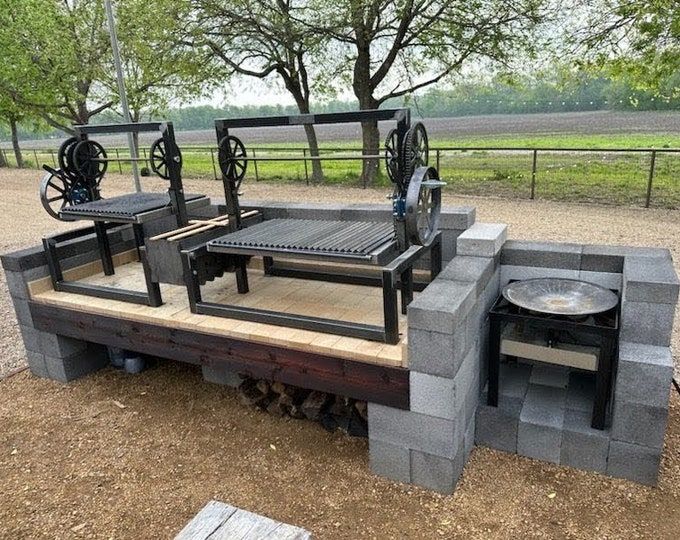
(219, 375)
(366, 212)
(457, 217)
(644, 374)
(548, 375)
(650, 280)
(16, 284)
(608, 258)
(437, 473)
(639, 424)
(413, 430)
(449, 239)
(609, 280)
(539, 434)
(22, 311)
(477, 270)
(634, 462)
(542, 254)
(433, 395)
(60, 346)
(315, 211)
(496, 427)
(441, 306)
(582, 446)
(581, 391)
(510, 273)
(469, 439)
(645, 322)
(482, 240)
(436, 353)
(36, 363)
(513, 380)
(389, 460)
(31, 338)
(77, 365)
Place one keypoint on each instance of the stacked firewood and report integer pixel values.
(331, 411)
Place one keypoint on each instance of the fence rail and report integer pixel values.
(197, 163)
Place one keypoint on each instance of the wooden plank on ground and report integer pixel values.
(207, 521)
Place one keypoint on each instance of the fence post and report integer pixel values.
(533, 173)
(257, 175)
(652, 166)
(212, 158)
(437, 158)
(304, 153)
(54, 161)
(35, 155)
(120, 163)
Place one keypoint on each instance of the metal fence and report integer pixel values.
(541, 161)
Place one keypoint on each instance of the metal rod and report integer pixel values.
(212, 158)
(652, 166)
(117, 159)
(304, 153)
(121, 89)
(533, 173)
(257, 175)
(120, 165)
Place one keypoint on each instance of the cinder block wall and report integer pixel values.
(429, 444)
(50, 355)
(631, 447)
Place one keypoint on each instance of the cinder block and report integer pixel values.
(77, 365)
(644, 374)
(645, 322)
(16, 284)
(469, 440)
(510, 273)
(582, 446)
(60, 346)
(269, 209)
(609, 280)
(650, 280)
(634, 462)
(542, 254)
(581, 392)
(639, 424)
(36, 363)
(389, 460)
(315, 211)
(477, 270)
(31, 338)
(433, 395)
(436, 353)
(482, 240)
(437, 473)
(366, 212)
(608, 258)
(457, 217)
(219, 375)
(496, 427)
(513, 380)
(22, 311)
(441, 306)
(413, 430)
(548, 375)
(449, 239)
(539, 434)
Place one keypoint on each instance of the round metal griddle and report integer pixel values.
(558, 296)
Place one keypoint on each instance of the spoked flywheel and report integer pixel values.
(232, 158)
(159, 158)
(416, 150)
(58, 190)
(423, 205)
(65, 156)
(89, 160)
(392, 155)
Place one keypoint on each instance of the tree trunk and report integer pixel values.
(3, 160)
(15, 143)
(317, 170)
(369, 130)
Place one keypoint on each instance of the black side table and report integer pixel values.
(603, 326)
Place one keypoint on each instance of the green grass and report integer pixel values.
(611, 178)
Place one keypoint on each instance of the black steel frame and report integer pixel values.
(607, 334)
(101, 223)
(396, 275)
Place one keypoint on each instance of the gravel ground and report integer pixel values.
(116, 456)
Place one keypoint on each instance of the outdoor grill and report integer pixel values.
(563, 321)
(72, 193)
(395, 246)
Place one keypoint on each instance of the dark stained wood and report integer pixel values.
(386, 385)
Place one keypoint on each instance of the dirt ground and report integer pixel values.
(122, 456)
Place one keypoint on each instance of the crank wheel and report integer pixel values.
(159, 158)
(89, 160)
(232, 158)
(392, 156)
(423, 205)
(57, 190)
(416, 150)
(65, 155)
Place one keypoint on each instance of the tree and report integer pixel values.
(638, 41)
(265, 39)
(396, 47)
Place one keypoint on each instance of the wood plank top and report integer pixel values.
(352, 303)
(220, 521)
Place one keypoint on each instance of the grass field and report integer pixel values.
(567, 175)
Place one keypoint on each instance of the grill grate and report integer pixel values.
(348, 238)
(123, 206)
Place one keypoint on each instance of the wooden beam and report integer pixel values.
(387, 385)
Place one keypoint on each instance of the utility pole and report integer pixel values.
(121, 90)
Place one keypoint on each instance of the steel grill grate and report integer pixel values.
(346, 238)
(123, 206)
